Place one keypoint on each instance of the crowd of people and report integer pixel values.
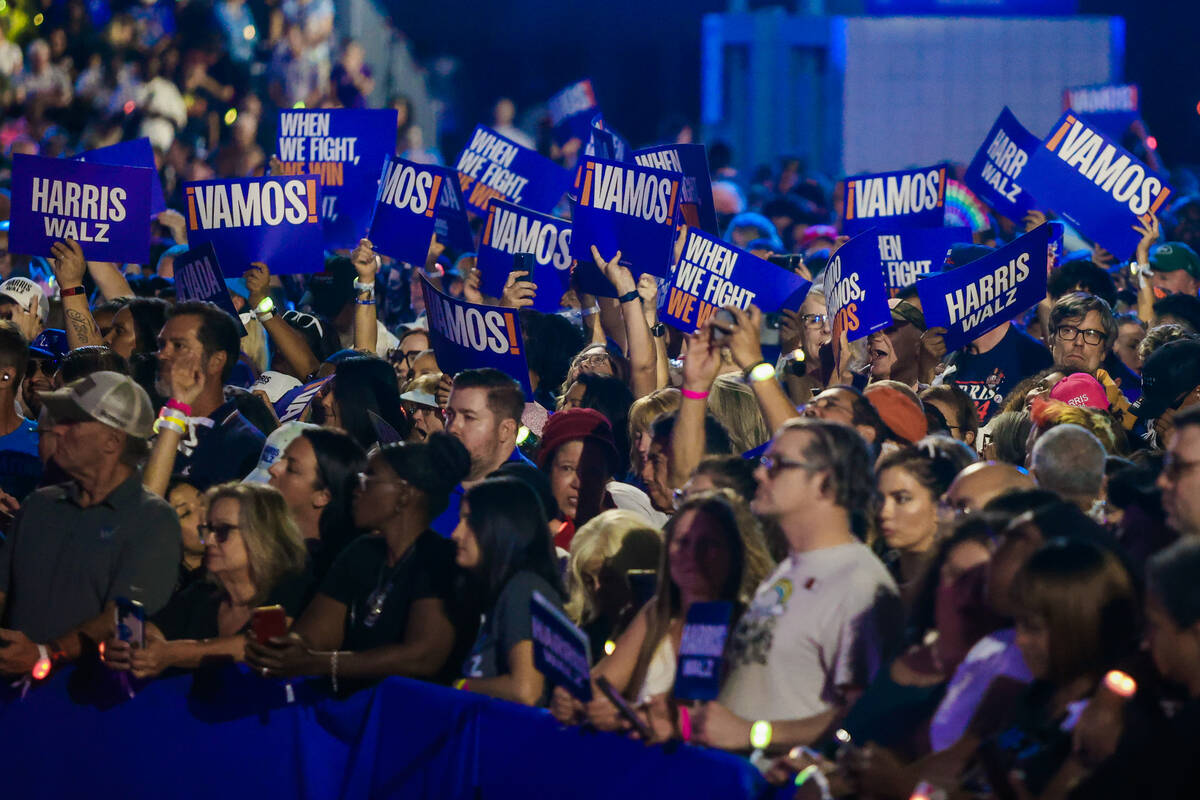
(976, 570)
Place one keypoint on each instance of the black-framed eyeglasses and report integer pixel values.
(774, 465)
(47, 366)
(218, 533)
(1068, 333)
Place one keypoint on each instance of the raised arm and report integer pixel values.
(643, 373)
(69, 267)
(688, 443)
(1145, 290)
(186, 384)
(289, 341)
(366, 264)
(109, 280)
(745, 347)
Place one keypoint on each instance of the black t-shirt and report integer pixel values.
(222, 447)
(192, 612)
(506, 625)
(987, 378)
(379, 598)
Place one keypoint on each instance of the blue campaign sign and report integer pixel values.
(105, 208)
(1095, 184)
(978, 297)
(198, 277)
(702, 650)
(1111, 107)
(293, 405)
(273, 220)
(344, 148)
(572, 110)
(606, 142)
(696, 197)
(134, 153)
(509, 230)
(712, 274)
(466, 336)
(909, 198)
(995, 172)
(560, 649)
(855, 294)
(906, 255)
(406, 209)
(493, 166)
(626, 208)
(450, 222)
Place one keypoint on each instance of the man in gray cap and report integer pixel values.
(76, 547)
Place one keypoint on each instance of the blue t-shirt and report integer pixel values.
(20, 466)
(219, 448)
(987, 378)
(447, 521)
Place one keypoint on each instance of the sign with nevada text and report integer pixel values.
(134, 153)
(572, 110)
(1095, 184)
(980, 296)
(1111, 107)
(198, 277)
(696, 197)
(467, 336)
(909, 198)
(344, 148)
(406, 209)
(702, 651)
(855, 294)
(509, 230)
(106, 209)
(626, 208)
(995, 172)
(560, 650)
(712, 274)
(906, 255)
(493, 166)
(273, 220)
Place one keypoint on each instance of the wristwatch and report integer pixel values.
(658, 330)
(265, 309)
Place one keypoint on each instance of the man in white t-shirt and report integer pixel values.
(825, 621)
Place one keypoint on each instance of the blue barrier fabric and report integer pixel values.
(226, 734)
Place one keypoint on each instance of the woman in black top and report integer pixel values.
(387, 605)
(253, 556)
(504, 543)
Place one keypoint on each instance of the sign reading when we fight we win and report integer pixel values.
(273, 220)
(623, 208)
(493, 166)
(1095, 184)
(106, 209)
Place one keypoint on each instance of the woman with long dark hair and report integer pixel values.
(504, 544)
(136, 326)
(360, 396)
(387, 605)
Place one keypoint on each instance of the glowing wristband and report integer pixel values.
(42, 667)
(762, 371)
(813, 772)
(170, 423)
(461, 683)
(685, 723)
(690, 395)
(609, 647)
(1120, 684)
(180, 406)
(760, 735)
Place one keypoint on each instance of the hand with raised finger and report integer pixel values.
(1149, 229)
(703, 361)
(258, 282)
(187, 378)
(618, 275)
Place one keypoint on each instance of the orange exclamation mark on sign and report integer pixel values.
(433, 195)
(941, 186)
(487, 228)
(514, 346)
(585, 197)
(312, 199)
(191, 198)
(1052, 145)
(671, 202)
(850, 200)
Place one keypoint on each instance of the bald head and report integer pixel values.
(978, 483)
(1069, 460)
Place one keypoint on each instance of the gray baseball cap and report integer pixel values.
(108, 397)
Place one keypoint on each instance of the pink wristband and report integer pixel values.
(685, 723)
(690, 395)
(178, 406)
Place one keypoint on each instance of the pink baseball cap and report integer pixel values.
(1081, 389)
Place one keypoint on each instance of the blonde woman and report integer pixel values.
(600, 598)
(733, 403)
(713, 551)
(643, 412)
(253, 555)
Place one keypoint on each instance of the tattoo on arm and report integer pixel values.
(85, 326)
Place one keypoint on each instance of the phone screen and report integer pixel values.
(131, 622)
(623, 707)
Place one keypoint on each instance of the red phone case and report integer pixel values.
(268, 623)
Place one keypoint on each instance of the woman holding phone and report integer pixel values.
(253, 556)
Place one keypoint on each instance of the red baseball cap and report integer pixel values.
(1081, 389)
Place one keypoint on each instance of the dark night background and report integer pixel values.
(644, 57)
